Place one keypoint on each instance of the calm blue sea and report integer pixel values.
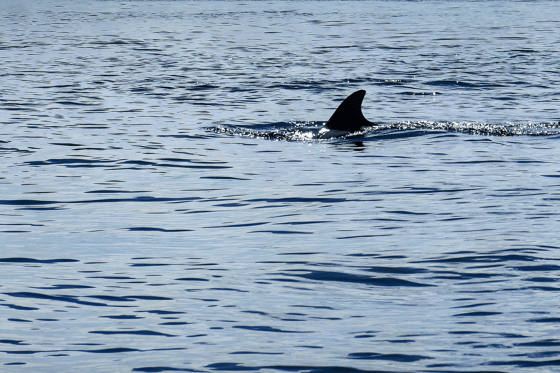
(166, 207)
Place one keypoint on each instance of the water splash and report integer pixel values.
(312, 131)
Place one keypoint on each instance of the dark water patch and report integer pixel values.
(152, 229)
(32, 202)
(128, 298)
(229, 289)
(452, 275)
(542, 288)
(19, 107)
(60, 287)
(527, 363)
(26, 202)
(283, 280)
(26, 352)
(314, 307)
(231, 204)
(257, 313)
(281, 232)
(113, 277)
(19, 308)
(482, 258)
(148, 297)
(163, 369)
(184, 136)
(478, 161)
(360, 255)
(395, 270)
(351, 278)
(71, 162)
(542, 343)
(463, 84)
(111, 191)
(415, 190)
(403, 212)
(401, 341)
(546, 320)
(4, 150)
(203, 87)
(122, 317)
(299, 200)
(42, 208)
(116, 350)
(191, 279)
(233, 367)
(224, 178)
(195, 165)
(267, 329)
(132, 332)
(113, 42)
(323, 318)
(21, 224)
(13, 342)
(477, 314)
(184, 160)
(539, 268)
(475, 305)
(390, 357)
(116, 164)
(75, 103)
(41, 261)
(538, 355)
(58, 298)
(163, 312)
(499, 335)
(305, 222)
(207, 299)
(541, 279)
(303, 253)
(255, 353)
(236, 225)
(66, 144)
(73, 85)
(92, 126)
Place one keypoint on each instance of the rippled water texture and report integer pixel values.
(165, 206)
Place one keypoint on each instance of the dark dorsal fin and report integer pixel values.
(348, 116)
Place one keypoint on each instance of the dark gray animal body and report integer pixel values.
(348, 116)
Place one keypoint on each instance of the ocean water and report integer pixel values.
(166, 206)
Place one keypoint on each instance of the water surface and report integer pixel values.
(164, 206)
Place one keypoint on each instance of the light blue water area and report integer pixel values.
(166, 205)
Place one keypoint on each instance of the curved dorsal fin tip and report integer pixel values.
(348, 116)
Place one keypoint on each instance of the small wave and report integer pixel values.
(281, 131)
(311, 131)
(476, 128)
